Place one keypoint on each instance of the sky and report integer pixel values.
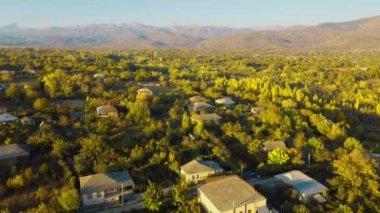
(233, 13)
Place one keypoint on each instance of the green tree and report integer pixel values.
(153, 197)
(278, 157)
(352, 143)
(41, 104)
(13, 92)
(138, 112)
(69, 199)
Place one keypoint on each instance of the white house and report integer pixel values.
(200, 107)
(5, 118)
(231, 194)
(106, 111)
(105, 187)
(307, 187)
(225, 101)
(197, 170)
(99, 75)
(145, 91)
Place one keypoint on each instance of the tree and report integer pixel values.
(13, 92)
(278, 157)
(69, 199)
(352, 143)
(138, 112)
(41, 104)
(357, 179)
(179, 193)
(153, 197)
(186, 122)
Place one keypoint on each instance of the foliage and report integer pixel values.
(153, 197)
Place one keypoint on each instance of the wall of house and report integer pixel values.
(94, 199)
(197, 177)
(207, 204)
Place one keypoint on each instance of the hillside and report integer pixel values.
(362, 33)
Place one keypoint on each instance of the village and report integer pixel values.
(150, 139)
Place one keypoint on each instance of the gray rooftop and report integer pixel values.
(271, 145)
(225, 100)
(206, 117)
(195, 99)
(7, 117)
(230, 191)
(304, 184)
(199, 166)
(12, 151)
(103, 181)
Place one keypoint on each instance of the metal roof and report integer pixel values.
(100, 182)
(13, 151)
(199, 166)
(230, 192)
(304, 184)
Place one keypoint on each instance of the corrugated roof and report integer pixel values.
(198, 166)
(301, 182)
(230, 192)
(13, 151)
(7, 117)
(103, 181)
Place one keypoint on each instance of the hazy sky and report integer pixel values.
(236, 13)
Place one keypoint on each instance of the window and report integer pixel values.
(193, 177)
(197, 176)
(249, 211)
(98, 194)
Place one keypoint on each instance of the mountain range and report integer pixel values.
(359, 34)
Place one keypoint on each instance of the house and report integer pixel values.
(3, 87)
(106, 187)
(225, 101)
(5, 118)
(269, 146)
(257, 111)
(197, 170)
(3, 108)
(27, 120)
(200, 107)
(196, 99)
(308, 189)
(195, 118)
(13, 154)
(145, 91)
(106, 111)
(231, 194)
(99, 75)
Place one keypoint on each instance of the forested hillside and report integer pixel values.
(325, 106)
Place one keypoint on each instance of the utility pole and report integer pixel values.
(241, 170)
(122, 194)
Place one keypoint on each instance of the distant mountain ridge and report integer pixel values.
(362, 33)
